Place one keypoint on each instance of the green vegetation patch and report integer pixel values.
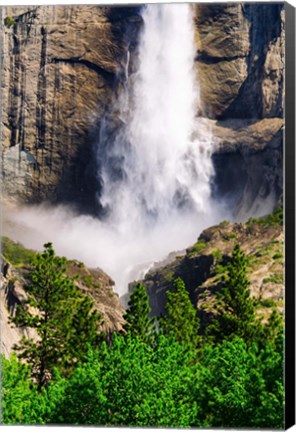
(224, 223)
(272, 219)
(277, 256)
(197, 247)
(230, 236)
(170, 277)
(88, 280)
(276, 278)
(253, 260)
(266, 302)
(220, 271)
(9, 21)
(15, 253)
(265, 250)
(217, 254)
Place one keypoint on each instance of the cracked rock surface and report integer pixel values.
(64, 68)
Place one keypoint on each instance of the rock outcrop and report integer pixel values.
(249, 164)
(200, 265)
(93, 282)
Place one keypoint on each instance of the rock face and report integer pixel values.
(251, 155)
(198, 266)
(64, 67)
(93, 282)
(11, 294)
(240, 67)
(240, 59)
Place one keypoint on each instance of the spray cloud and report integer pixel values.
(156, 179)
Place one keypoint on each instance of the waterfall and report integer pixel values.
(154, 164)
(153, 171)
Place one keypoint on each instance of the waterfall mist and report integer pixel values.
(152, 170)
(156, 179)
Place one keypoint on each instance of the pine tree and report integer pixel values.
(62, 316)
(235, 307)
(181, 319)
(137, 318)
(273, 332)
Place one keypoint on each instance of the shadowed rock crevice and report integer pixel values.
(41, 103)
(206, 59)
(108, 76)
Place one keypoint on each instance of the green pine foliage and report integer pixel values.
(142, 377)
(242, 386)
(235, 309)
(273, 332)
(62, 317)
(181, 318)
(130, 384)
(20, 401)
(138, 322)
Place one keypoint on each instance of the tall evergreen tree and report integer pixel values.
(181, 319)
(234, 306)
(62, 317)
(137, 318)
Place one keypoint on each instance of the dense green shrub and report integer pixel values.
(242, 386)
(197, 247)
(21, 403)
(130, 384)
(9, 21)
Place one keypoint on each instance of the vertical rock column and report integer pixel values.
(62, 70)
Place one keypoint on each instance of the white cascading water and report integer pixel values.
(156, 178)
(163, 172)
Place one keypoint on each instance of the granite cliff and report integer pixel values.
(62, 69)
(65, 66)
(240, 66)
